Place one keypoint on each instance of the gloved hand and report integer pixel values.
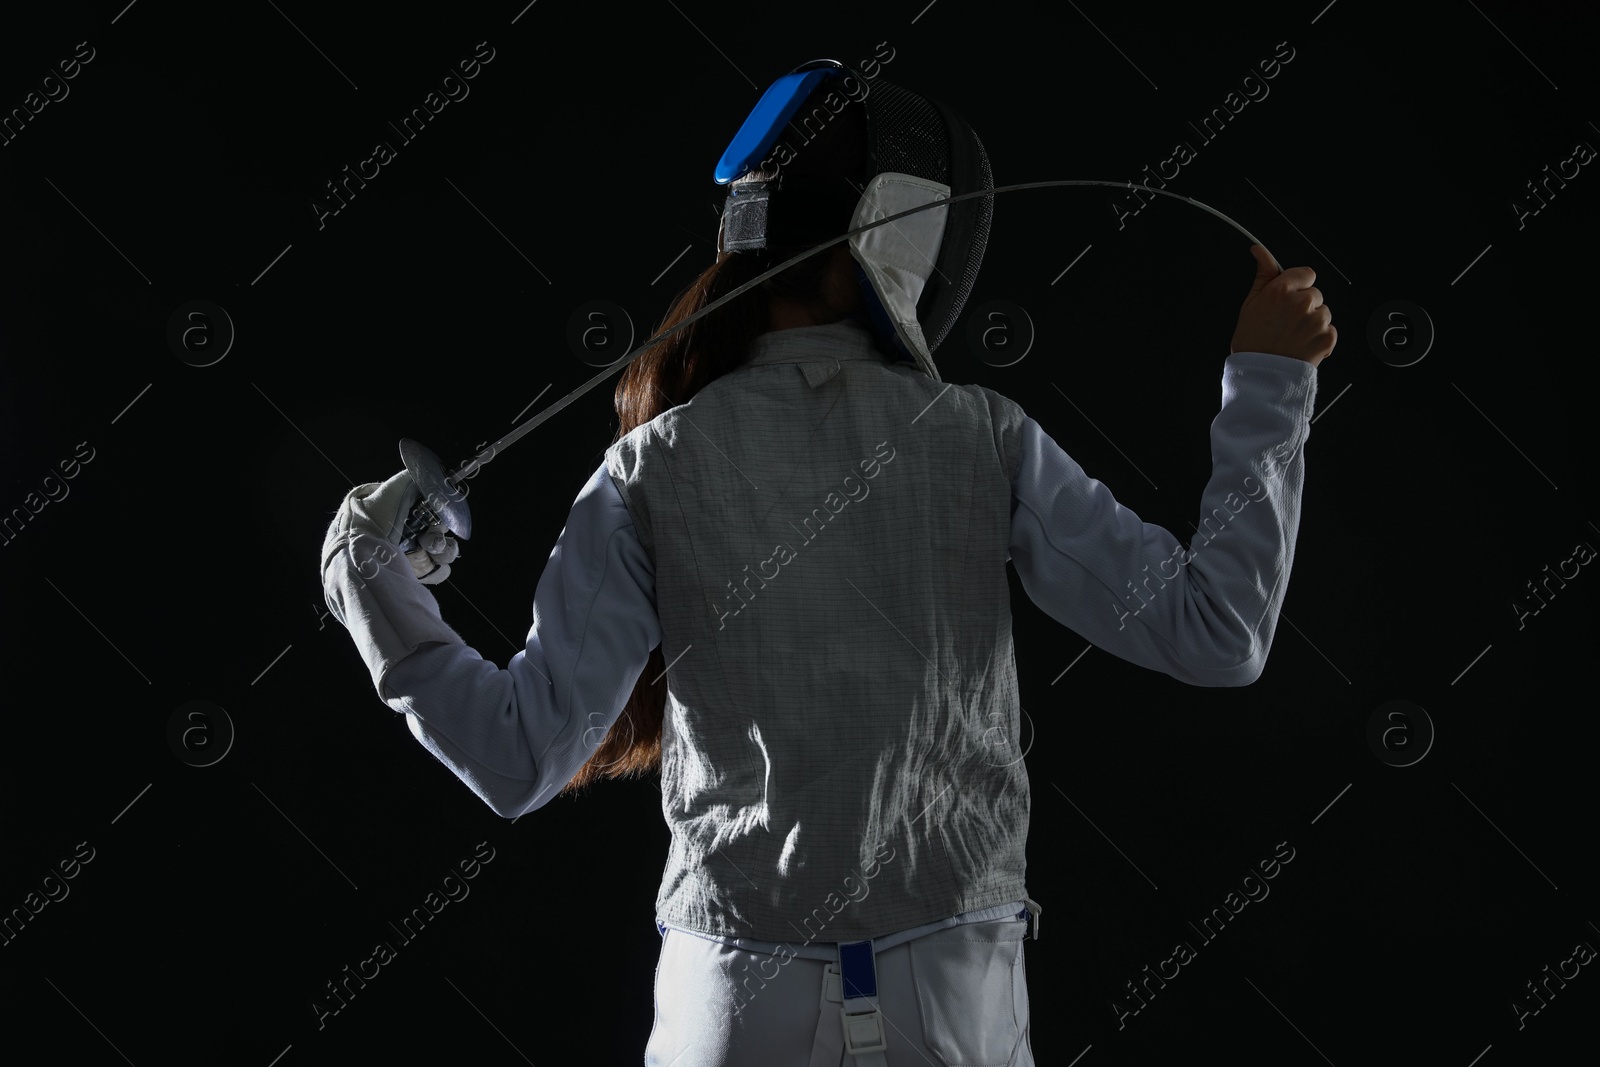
(380, 509)
(434, 552)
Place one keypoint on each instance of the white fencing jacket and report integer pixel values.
(818, 542)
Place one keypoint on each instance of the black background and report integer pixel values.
(182, 166)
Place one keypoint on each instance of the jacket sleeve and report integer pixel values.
(1204, 614)
(517, 735)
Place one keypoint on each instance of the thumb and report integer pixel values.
(1266, 269)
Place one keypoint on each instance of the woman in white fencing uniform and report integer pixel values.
(785, 588)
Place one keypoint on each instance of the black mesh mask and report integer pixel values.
(916, 272)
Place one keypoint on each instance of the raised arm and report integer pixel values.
(1205, 615)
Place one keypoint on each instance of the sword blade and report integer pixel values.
(477, 462)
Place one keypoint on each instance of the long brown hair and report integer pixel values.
(667, 374)
(672, 371)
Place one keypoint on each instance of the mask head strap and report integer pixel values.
(777, 106)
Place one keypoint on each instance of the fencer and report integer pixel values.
(785, 589)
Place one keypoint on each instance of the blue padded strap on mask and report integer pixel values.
(760, 130)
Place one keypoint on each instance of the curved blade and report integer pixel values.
(477, 462)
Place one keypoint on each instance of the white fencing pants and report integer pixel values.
(953, 997)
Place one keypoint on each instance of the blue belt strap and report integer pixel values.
(856, 969)
(865, 1039)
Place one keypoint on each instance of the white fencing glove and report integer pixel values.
(380, 509)
(365, 585)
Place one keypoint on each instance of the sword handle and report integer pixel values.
(442, 500)
(416, 525)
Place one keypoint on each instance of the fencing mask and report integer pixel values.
(915, 273)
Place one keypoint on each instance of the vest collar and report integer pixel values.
(846, 339)
(818, 349)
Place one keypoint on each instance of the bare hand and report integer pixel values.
(1284, 314)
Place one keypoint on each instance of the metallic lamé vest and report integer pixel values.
(840, 751)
